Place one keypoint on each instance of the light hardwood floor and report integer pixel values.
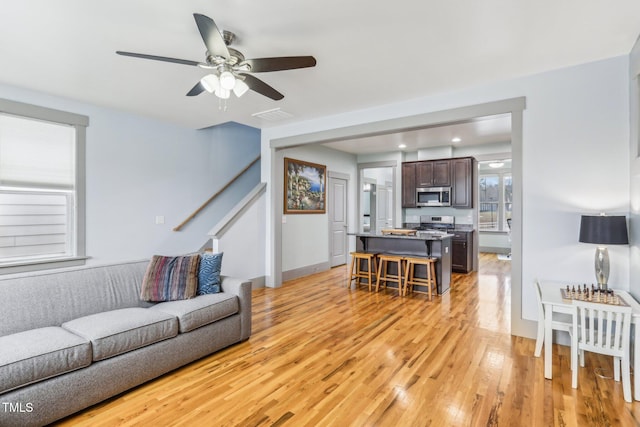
(325, 355)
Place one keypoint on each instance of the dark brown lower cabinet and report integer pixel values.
(462, 251)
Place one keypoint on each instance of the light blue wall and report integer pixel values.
(139, 168)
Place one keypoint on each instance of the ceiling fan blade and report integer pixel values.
(261, 87)
(159, 58)
(261, 65)
(196, 90)
(211, 36)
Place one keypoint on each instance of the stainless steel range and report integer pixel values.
(441, 224)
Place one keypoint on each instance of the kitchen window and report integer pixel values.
(41, 187)
(496, 201)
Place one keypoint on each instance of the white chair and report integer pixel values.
(559, 322)
(604, 329)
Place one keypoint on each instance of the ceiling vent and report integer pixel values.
(273, 115)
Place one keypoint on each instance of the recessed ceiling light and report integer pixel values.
(402, 146)
(496, 165)
(456, 139)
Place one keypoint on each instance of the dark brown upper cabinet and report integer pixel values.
(435, 173)
(463, 182)
(409, 185)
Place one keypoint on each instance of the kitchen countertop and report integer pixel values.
(420, 235)
(458, 227)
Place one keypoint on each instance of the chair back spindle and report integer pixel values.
(605, 329)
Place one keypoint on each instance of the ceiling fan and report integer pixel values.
(229, 68)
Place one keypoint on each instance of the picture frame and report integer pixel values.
(304, 187)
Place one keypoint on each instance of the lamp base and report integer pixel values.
(602, 268)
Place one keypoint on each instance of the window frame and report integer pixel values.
(79, 123)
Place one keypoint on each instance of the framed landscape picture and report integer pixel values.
(304, 187)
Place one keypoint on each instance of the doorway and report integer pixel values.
(377, 196)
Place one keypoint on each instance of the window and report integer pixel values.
(41, 187)
(496, 201)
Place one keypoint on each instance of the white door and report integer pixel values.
(382, 207)
(338, 221)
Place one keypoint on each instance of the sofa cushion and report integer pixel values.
(34, 355)
(170, 278)
(209, 273)
(119, 331)
(201, 310)
(49, 298)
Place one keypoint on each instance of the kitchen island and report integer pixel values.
(437, 245)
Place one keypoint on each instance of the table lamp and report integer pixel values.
(603, 230)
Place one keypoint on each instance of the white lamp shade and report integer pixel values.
(210, 82)
(240, 88)
(227, 80)
(223, 93)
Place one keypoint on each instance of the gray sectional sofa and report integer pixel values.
(74, 337)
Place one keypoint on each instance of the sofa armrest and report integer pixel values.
(241, 288)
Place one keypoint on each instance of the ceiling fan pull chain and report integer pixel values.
(222, 104)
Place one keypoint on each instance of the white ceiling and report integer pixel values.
(484, 130)
(369, 52)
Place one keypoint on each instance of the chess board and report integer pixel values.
(597, 297)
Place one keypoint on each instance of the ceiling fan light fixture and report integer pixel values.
(240, 88)
(227, 80)
(210, 82)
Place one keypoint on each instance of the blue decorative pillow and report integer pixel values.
(209, 275)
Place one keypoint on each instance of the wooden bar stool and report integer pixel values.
(383, 275)
(410, 279)
(360, 274)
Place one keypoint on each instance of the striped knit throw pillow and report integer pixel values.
(170, 278)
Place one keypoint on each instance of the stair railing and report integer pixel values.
(212, 198)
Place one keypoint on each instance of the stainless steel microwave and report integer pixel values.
(433, 196)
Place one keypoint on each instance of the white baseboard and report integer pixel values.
(494, 250)
(258, 282)
(305, 271)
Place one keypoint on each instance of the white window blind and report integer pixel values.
(36, 154)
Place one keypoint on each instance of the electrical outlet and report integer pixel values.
(159, 219)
